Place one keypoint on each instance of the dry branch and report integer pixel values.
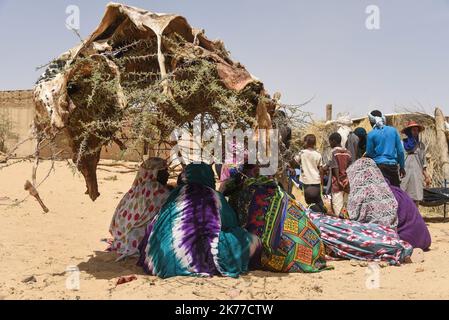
(29, 187)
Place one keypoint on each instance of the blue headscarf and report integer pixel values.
(410, 142)
(200, 173)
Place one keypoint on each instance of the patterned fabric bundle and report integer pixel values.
(291, 243)
(361, 241)
(137, 208)
(197, 232)
(370, 199)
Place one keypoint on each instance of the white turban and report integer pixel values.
(379, 121)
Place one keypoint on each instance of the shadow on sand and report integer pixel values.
(102, 265)
(436, 220)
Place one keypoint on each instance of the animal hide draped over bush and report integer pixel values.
(151, 72)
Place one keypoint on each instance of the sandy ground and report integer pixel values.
(44, 245)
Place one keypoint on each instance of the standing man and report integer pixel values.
(415, 162)
(356, 143)
(341, 160)
(311, 173)
(384, 146)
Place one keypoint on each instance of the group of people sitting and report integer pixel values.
(254, 223)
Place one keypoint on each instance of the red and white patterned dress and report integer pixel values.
(137, 208)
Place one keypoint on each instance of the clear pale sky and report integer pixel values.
(303, 49)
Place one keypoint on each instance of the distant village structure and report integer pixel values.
(17, 106)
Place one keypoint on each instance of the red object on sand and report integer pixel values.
(126, 279)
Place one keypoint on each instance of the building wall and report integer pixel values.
(18, 107)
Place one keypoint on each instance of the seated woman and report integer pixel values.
(411, 225)
(196, 232)
(373, 199)
(290, 242)
(370, 199)
(138, 207)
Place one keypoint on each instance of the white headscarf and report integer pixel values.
(379, 121)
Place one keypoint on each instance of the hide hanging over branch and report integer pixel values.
(139, 76)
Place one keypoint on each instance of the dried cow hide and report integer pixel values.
(65, 102)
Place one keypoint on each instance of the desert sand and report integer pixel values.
(41, 246)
